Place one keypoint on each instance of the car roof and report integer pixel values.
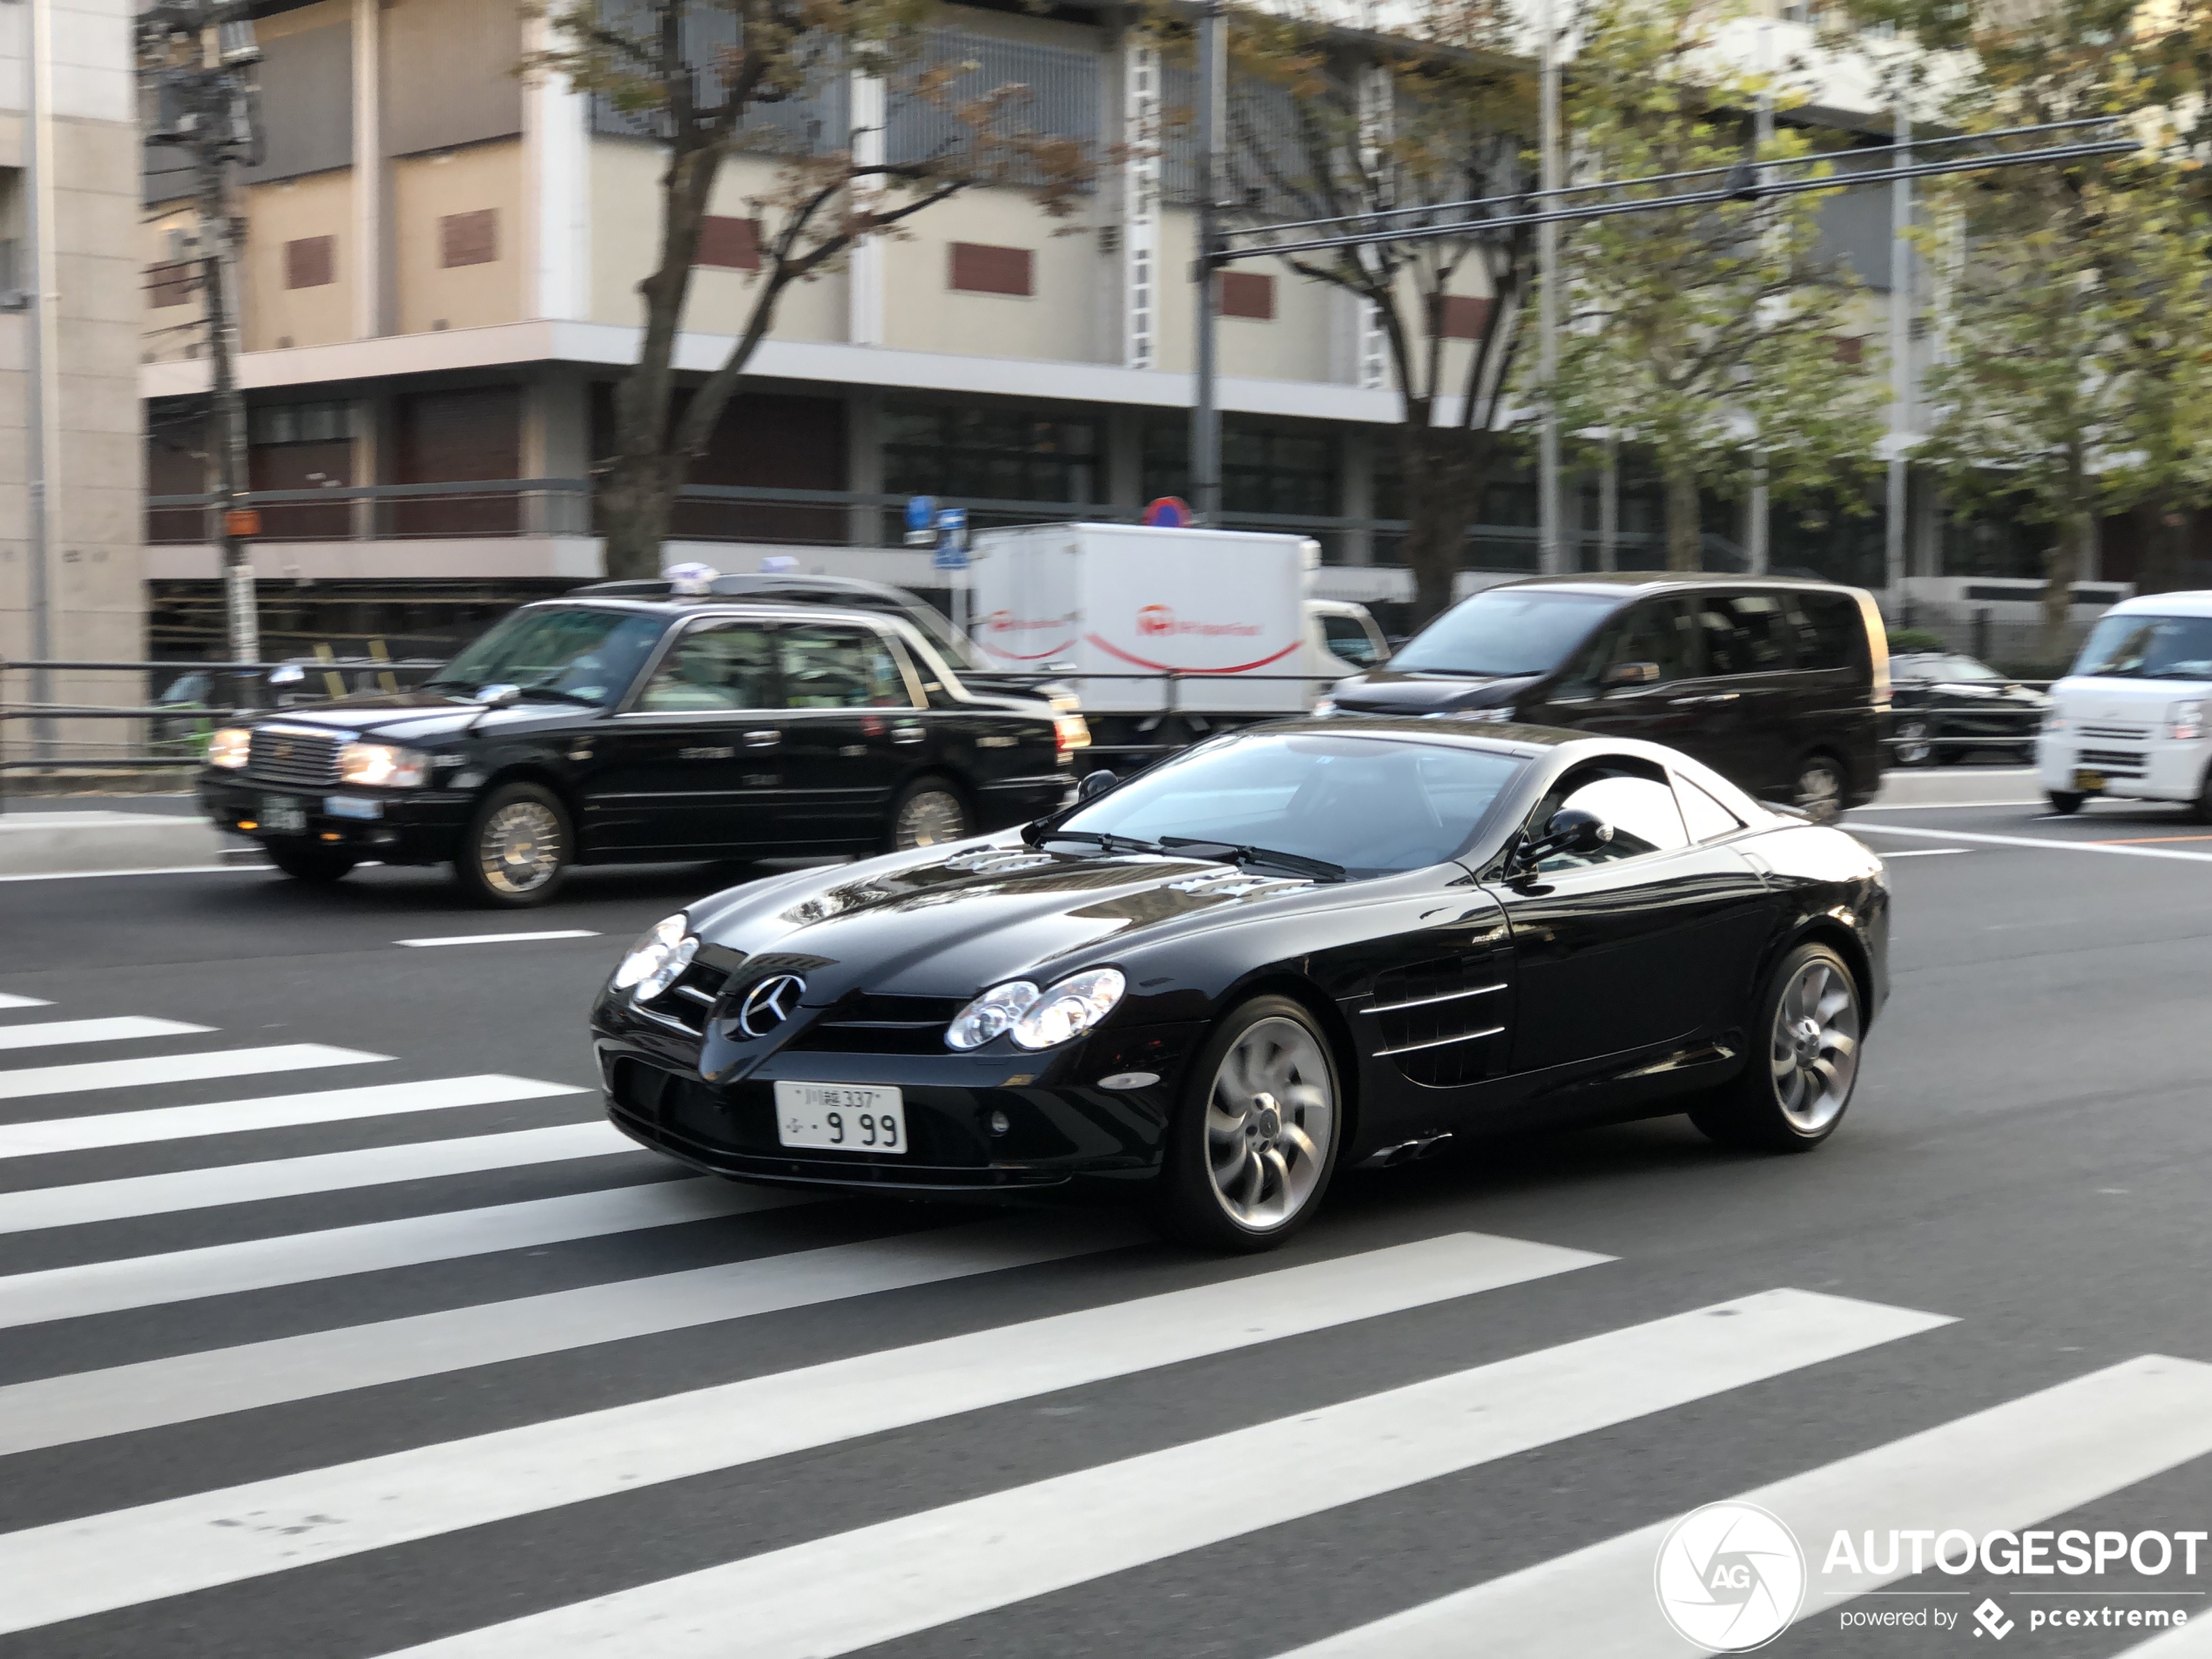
(1642, 581)
(765, 609)
(2166, 605)
(763, 583)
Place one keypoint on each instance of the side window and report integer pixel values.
(840, 668)
(716, 665)
(1657, 633)
(1347, 639)
(1831, 631)
(1640, 806)
(1745, 633)
(1706, 817)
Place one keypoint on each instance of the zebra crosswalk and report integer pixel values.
(446, 1437)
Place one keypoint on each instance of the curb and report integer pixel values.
(76, 843)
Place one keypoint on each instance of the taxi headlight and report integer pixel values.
(231, 747)
(660, 955)
(994, 1011)
(1070, 1009)
(381, 765)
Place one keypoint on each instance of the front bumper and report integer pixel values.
(2138, 769)
(1063, 1132)
(410, 827)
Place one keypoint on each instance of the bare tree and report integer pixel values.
(708, 77)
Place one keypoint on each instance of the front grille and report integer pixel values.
(285, 756)
(869, 1024)
(2118, 761)
(691, 999)
(2120, 733)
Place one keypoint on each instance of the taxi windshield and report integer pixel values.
(1373, 805)
(577, 653)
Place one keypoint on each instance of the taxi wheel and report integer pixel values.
(2064, 802)
(518, 847)
(1913, 746)
(1803, 1060)
(928, 813)
(304, 861)
(1249, 1153)
(1820, 788)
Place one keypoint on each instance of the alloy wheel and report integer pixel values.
(519, 849)
(1820, 790)
(1913, 747)
(930, 818)
(1815, 1055)
(1270, 1123)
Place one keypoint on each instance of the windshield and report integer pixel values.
(1506, 631)
(1371, 805)
(2148, 648)
(584, 653)
(950, 643)
(1947, 668)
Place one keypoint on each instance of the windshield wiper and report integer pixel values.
(1104, 843)
(1318, 867)
(555, 691)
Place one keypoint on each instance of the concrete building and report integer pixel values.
(439, 290)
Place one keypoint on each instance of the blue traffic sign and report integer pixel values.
(951, 539)
(922, 512)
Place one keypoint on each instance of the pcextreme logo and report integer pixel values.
(1156, 622)
(1729, 1577)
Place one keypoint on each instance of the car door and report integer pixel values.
(1633, 946)
(1743, 702)
(852, 729)
(1629, 682)
(693, 763)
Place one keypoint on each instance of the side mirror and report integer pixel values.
(1573, 830)
(1631, 674)
(1096, 783)
(499, 697)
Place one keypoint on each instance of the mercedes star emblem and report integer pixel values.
(768, 1004)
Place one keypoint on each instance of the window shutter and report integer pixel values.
(729, 244)
(1458, 316)
(980, 269)
(470, 239)
(311, 262)
(1247, 293)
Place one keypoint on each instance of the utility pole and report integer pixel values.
(1213, 170)
(200, 56)
(1757, 516)
(1551, 553)
(1894, 571)
(38, 452)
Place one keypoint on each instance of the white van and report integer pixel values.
(2130, 719)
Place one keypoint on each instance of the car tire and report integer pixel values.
(1818, 791)
(930, 812)
(2064, 802)
(305, 862)
(1803, 1042)
(518, 849)
(1912, 746)
(1251, 1147)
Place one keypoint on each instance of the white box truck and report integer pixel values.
(1118, 609)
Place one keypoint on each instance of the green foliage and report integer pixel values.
(1712, 336)
(1912, 639)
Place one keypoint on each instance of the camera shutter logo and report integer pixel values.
(1729, 1577)
(768, 1004)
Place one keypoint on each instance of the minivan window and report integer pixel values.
(1506, 631)
(1830, 628)
(1657, 631)
(2148, 648)
(1744, 634)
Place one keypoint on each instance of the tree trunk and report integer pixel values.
(1685, 521)
(636, 498)
(2061, 565)
(1445, 469)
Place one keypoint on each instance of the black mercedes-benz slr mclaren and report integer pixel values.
(1300, 947)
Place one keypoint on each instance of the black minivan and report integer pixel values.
(1782, 686)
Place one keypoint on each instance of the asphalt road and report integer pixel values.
(212, 1322)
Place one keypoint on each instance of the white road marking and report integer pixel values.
(2191, 1641)
(1947, 806)
(2044, 843)
(74, 1567)
(274, 1111)
(55, 1411)
(499, 939)
(9, 1000)
(299, 1258)
(108, 875)
(1924, 852)
(156, 1195)
(854, 1589)
(52, 1034)
(26, 1082)
(2004, 1468)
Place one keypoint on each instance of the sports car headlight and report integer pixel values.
(1070, 1009)
(988, 1015)
(381, 766)
(664, 952)
(231, 747)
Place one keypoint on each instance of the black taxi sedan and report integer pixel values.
(611, 730)
(1286, 951)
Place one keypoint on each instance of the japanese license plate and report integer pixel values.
(847, 1117)
(2089, 781)
(282, 815)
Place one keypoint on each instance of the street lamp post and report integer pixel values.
(1551, 549)
(1213, 147)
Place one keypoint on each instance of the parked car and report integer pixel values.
(616, 730)
(2130, 719)
(1943, 704)
(1782, 686)
(1291, 950)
